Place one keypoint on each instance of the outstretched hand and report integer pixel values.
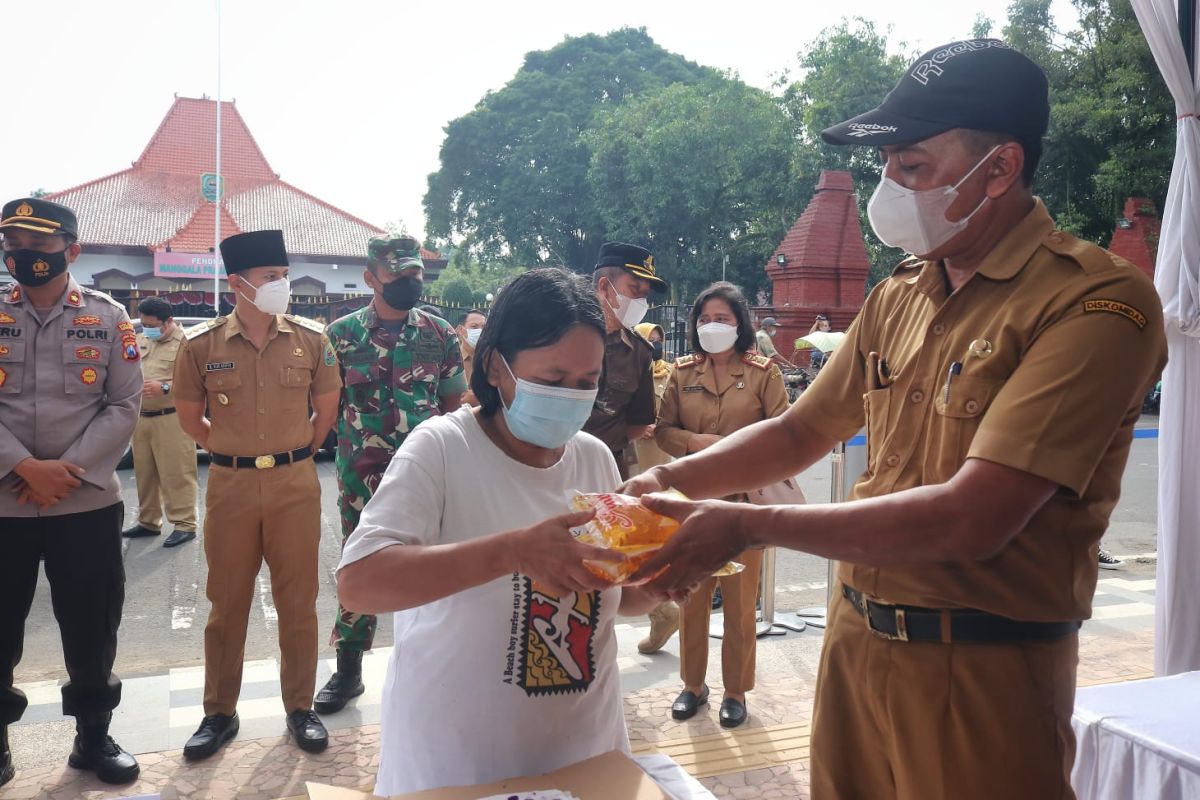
(553, 558)
(710, 534)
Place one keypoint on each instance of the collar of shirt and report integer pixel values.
(1007, 258)
(371, 318)
(278, 325)
(619, 335)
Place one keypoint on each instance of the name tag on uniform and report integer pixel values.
(218, 366)
(693, 388)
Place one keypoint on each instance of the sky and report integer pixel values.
(349, 100)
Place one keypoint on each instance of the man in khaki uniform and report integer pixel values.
(999, 375)
(164, 457)
(469, 329)
(258, 371)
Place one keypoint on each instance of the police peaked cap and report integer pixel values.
(42, 216)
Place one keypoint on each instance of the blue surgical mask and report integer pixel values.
(547, 416)
(153, 334)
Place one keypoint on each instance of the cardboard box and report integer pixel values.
(608, 777)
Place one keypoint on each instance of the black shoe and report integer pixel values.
(214, 731)
(686, 705)
(95, 750)
(733, 713)
(178, 537)
(343, 684)
(138, 531)
(6, 766)
(717, 600)
(309, 731)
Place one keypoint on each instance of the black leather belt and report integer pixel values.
(158, 413)
(261, 462)
(913, 624)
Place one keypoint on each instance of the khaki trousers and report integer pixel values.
(932, 721)
(251, 515)
(738, 646)
(164, 465)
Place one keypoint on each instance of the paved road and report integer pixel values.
(165, 607)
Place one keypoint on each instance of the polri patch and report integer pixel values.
(87, 353)
(1116, 307)
(87, 319)
(218, 366)
(89, 375)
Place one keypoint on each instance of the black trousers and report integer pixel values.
(87, 588)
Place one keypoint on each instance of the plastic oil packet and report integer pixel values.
(623, 524)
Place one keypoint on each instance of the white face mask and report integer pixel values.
(273, 297)
(473, 335)
(915, 221)
(629, 312)
(717, 337)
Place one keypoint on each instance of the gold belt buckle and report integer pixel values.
(901, 634)
(264, 462)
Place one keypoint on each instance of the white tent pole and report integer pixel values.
(217, 204)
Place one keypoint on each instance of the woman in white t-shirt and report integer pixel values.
(505, 660)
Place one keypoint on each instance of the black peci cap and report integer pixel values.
(42, 216)
(253, 249)
(981, 84)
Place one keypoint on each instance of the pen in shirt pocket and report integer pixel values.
(954, 370)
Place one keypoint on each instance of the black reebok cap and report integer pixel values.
(982, 84)
(253, 249)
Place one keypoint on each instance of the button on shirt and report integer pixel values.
(1058, 342)
(258, 401)
(626, 398)
(70, 389)
(158, 364)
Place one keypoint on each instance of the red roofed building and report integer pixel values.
(821, 265)
(140, 227)
(1136, 236)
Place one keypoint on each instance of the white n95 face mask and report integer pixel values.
(915, 220)
(272, 297)
(716, 337)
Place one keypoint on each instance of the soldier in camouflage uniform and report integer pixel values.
(400, 366)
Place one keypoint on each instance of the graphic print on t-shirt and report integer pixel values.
(550, 649)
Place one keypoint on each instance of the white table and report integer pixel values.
(1138, 740)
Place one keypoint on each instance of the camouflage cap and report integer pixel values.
(395, 253)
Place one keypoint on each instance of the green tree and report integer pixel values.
(695, 172)
(847, 70)
(513, 174)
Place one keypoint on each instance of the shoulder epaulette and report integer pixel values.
(305, 322)
(688, 361)
(1091, 257)
(203, 327)
(755, 360)
(99, 295)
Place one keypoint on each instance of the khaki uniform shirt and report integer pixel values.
(626, 397)
(692, 402)
(158, 364)
(258, 401)
(1058, 341)
(70, 389)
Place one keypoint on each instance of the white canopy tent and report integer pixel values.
(1171, 34)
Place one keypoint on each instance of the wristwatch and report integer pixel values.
(166, 387)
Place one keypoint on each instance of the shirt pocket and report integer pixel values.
(958, 414)
(295, 379)
(363, 382)
(876, 404)
(617, 392)
(227, 396)
(12, 366)
(85, 366)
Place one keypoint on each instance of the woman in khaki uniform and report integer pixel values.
(720, 389)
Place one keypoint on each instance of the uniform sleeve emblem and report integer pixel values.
(131, 352)
(87, 320)
(126, 325)
(330, 356)
(1115, 307)
(89, 375)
